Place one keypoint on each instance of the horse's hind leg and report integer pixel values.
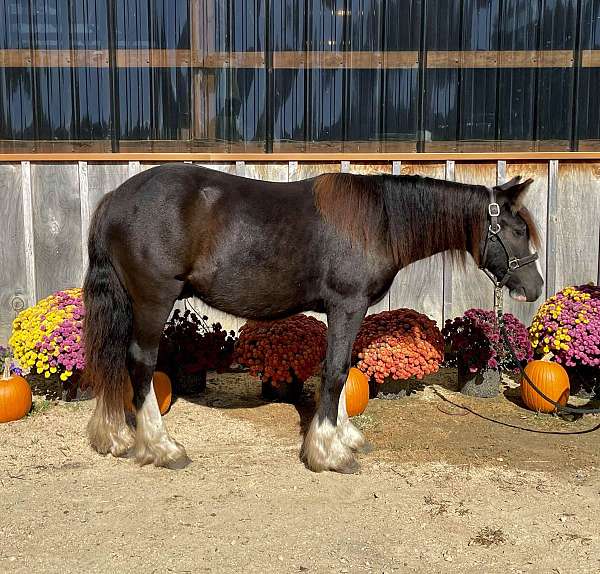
(328, 443)
(152, 441)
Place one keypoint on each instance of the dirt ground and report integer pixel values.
(445, 490)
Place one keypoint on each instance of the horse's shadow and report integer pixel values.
(246, 394)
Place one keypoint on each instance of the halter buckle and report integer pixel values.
(513, 264)
(494, 210)
(494, 230)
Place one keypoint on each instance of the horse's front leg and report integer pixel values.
(331, 437)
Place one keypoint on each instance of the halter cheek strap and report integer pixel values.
(493, 235)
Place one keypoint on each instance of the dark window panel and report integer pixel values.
(477, 119)
(441, 105)
(402, 21)
(557, 24)
(364, 19)
(516, 106)
(480, 24)
(363, 113)
(442, 28)
(400, 106)
(327, 25)
(588, 126)
(555, 102)
(520, 25)
(247, 26)
(152, 24)
(325, 104)
(16, 104)
(289, 105)
(288, 25)
(15, 28)
(590, 25)
(154, 103)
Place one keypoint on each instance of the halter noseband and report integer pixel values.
(493, 234)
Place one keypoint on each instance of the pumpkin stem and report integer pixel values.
(548, 357)
(6, 372)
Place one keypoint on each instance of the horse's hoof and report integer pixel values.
(167, 453)
(349, 467)
(179, 463)
(116, 443)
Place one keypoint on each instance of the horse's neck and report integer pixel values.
(439, 216)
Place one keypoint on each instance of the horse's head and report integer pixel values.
(506, 248)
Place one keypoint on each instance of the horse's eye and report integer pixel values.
(520, 232)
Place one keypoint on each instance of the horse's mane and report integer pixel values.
(414, 216)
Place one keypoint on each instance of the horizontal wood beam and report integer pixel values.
(296, 60)
(354, 60)
(297, 156)
(501, 59)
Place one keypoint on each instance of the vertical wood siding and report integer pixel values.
(46, 209)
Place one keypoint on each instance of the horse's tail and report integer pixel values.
(106, 333)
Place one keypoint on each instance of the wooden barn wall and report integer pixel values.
(46, 210)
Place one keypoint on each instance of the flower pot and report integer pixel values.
(187, 384)
(282, 392)
(585, 381)
(52, 388)
(396, 389)
(483, 384)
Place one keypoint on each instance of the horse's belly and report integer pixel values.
(255, 295)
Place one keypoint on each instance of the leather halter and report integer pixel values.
(493, 234)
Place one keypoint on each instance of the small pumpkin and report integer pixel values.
(162, 390)
(15, 396)
(357, 392)
(551, 378)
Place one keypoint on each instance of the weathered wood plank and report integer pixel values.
(305, 170)
(57, 227)
(224, 167)
(470, 286)
(84, 205)
(13, 273)
(577, 224)
(267, 171)
(28, 231)
(104, 177)
(536, 201)
(550, 278)
(420, 285)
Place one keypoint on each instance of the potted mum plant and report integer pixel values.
(190, 347)
(393, 348)
(46, 342)
(475, 347)
(566, 329)
(283, 354)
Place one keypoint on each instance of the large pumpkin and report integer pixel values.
(357, 392)
(552, 379)
(162, 390)
(15, 397)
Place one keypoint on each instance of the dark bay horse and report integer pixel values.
(265, 250)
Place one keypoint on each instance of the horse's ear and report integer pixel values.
(513, 191)
(507, 185)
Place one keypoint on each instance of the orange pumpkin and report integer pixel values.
(357, 392)
(162, 390)
(552, 379)
(15, 397)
